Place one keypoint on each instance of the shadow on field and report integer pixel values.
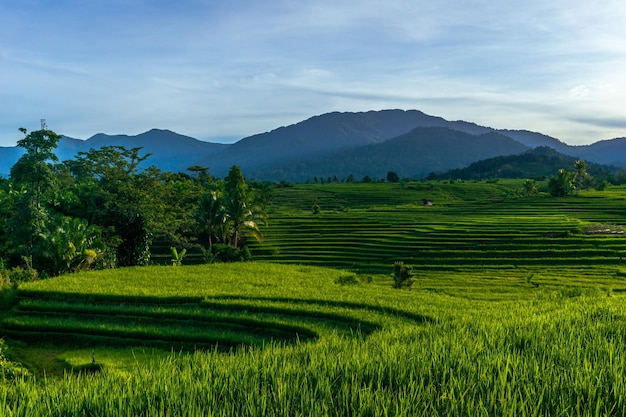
(418, 318)
(185, 323)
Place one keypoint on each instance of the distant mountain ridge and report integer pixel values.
(413, 155)
(170, 151)
(325, 135)
(371, 143)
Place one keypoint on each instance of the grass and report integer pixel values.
(514, 311)
(549, 352)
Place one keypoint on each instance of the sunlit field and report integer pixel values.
(516, 309)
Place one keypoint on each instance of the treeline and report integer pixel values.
(100, 210)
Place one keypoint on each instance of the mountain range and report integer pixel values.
(408, 142)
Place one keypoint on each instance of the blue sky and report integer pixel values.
(225, 69)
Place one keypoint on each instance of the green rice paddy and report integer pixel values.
(515, 311)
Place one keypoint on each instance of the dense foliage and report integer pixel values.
(101, 210)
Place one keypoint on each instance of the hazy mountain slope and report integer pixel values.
(324, 135)
(608, 152)
(535, 139)
(415, 154)
(170, 151)
(612, 152)
(336, 144)
(8, 157)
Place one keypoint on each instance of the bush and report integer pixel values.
(228, 253)
(350, 279)
(19, 274)
(10, 370)
(402, 275)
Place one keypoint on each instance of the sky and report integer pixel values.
(221, 70)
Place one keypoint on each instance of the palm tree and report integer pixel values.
(530, 187)
(561, 184)
(581, 176)
(211, 215)
(243, 208)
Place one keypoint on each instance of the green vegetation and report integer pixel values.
(516, 308)
(471, 226)
(504, 348)
(541, 162)
(100, 210)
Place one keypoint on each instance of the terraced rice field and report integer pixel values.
(366, 227)
(202, 308)
(297, 340)
(515, 311)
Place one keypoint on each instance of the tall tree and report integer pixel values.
(33, 169)
(243, 209)
(211, 216)
(581, 176)
(116, 196)
(32, 176)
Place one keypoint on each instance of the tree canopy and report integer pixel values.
(101, 210)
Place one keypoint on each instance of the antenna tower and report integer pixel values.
(44, 126)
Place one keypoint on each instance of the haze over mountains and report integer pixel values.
(410, 143)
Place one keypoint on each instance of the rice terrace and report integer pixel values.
(516, 308)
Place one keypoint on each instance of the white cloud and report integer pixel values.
(216, 69)
(580, 91)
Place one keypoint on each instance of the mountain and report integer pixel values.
(325, 135)
(534, 140)
(612, 152)
(8, 157)
(534, 163)
(414, 154)
(408, 142)
(170, 151)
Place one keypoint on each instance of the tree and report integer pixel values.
(120, 197)
(242, 207)
(211, 216)
(582, 179)
(32, 178)
(33, 168)
(561, 185)
(530, 187)
(392, 177)
(201, 174)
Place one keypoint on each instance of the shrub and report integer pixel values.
(350, 279)
(402, 275)
(10, 370)
(19, 274)
(228, 253)
(7, 291)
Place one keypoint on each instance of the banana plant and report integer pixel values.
(177, 257)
